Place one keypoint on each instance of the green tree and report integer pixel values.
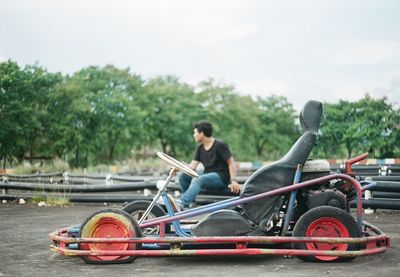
(396, 132)
(335, 140)
(40, 86)
(101, 114)
(375, 127)
(12, 87)
(277, 130)
(114, 124)
(232, 115)
(368, 125)
(24, 104)
(171, 108)
(71, 120)
(255, 129)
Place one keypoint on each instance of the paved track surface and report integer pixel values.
(24, 252)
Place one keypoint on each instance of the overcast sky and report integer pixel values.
(324, 50)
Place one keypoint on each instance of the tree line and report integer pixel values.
(106, 114)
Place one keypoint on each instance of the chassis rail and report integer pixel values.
(374, 243)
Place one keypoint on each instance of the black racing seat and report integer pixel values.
(281, 173)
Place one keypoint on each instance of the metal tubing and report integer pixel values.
(60, 236)
(234, 202)
(196, 208)
(153, 203)
(367, 185)
(218, 252)
(170, 210)
(61, 242)
(292, 199)
(380, 240)
(350, 162)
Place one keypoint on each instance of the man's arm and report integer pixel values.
(193, 164)
(235, 187)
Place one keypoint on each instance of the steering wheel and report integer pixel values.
(177, 164)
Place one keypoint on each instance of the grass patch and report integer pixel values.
(38, 197)
(50, 167)
(58, 199)
(61, 200)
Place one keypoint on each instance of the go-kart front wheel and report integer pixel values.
(326, 221)
(109, 223)
(137, 209)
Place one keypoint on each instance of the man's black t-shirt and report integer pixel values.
(214, 159)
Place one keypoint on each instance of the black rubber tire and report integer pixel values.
(118, 213)
(347, 221)
(141, 205)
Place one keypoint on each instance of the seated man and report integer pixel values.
(219, 166)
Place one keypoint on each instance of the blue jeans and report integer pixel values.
(190, 186)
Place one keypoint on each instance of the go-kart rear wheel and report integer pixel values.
(109, 223)
(137, 209)
(326, 221)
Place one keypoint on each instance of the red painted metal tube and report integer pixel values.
(377, 243)
(352, 161)
(188, 213)
(258, 239)
(217, 252)
(61, 236)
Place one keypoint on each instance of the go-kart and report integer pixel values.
(288, 208)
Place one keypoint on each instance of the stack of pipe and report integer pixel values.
(119, 189)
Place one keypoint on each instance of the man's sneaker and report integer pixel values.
(181, 206)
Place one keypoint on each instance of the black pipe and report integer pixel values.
(113, 177)
(384, 194)
(69, 188)
(381, 186)
(79, 188)
(48, 180)
(365, 167)
(74, 198)
(76, 177)
(374, 203)
(386, 178)
(135, 178)
(77, 180)
(387, 186)
(108, 199)
(81, 198)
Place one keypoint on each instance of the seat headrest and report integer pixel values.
(311, 116)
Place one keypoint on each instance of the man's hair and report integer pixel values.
(204, 126)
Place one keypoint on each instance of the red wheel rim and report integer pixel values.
(111, 226)
(327, 227)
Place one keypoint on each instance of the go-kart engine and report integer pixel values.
(325, 194)
(330, 197)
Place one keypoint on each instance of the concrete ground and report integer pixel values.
(24, 252)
